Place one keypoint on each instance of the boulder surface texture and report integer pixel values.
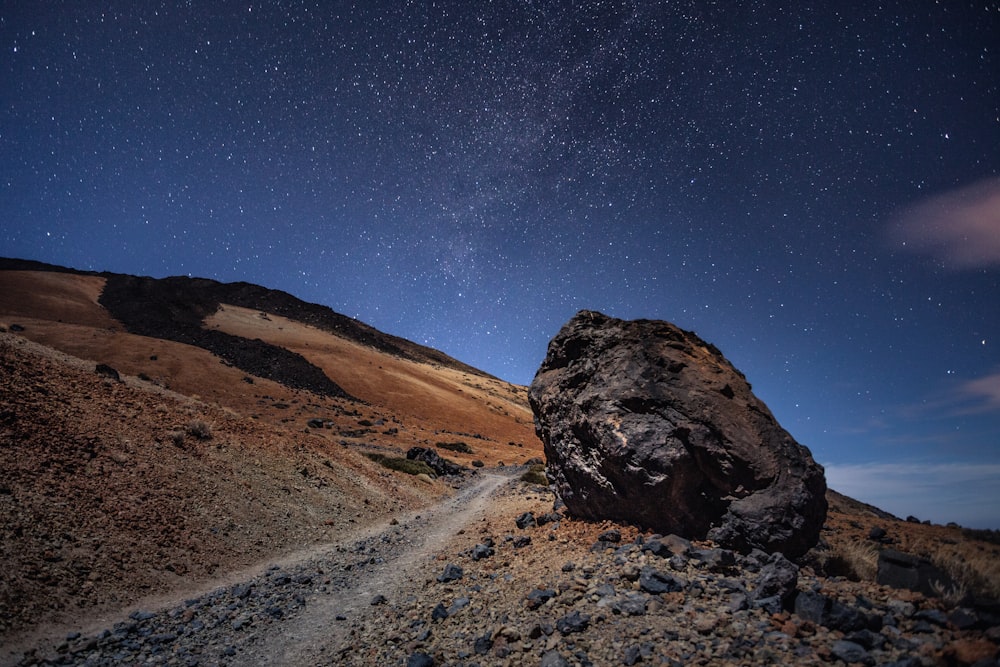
(647, 424)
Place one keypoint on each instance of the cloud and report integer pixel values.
(966, 493)
(984, 391)
(960, 228)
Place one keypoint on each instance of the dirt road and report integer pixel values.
(317, 636)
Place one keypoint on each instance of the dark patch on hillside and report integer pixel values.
(174, 308)
(210, 293)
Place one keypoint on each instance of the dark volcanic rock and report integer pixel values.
(903, 570)
(645, 423)
(438, 464)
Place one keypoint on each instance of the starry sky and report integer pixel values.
(812, 186)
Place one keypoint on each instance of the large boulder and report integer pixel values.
(646, 423)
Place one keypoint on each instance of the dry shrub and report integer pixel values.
(398, 463)
(853, 559)
(974, 567)
(535, 475)
(199, 429)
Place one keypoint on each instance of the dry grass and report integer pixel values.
(535, 475)
(400, 464)
(973, 566)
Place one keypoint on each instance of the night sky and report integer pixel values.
(813, 187)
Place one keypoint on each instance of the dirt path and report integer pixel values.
(316, 634)
(297, 611)
(324, 626)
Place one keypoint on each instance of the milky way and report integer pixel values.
(813, 188)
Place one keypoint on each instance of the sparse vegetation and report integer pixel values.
(176, 437)
(199, 429)
(401, 464)
(983, 535)
(974, 568)
(535, 475)
(854, 560)
(455, 447)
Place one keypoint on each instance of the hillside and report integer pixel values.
(230, 430)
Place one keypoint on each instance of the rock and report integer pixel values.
(645, 423)
(971, 651)
(777, 578)
(481, 551)
(378, 599)
(903, 570)
(554, 659)
(419, 659)
(877, 534)
(665, 547)
(573, 622)
(438, 464)
(483, 644)
(451, 572)
(829, 613)
(613, 535)
(539, 596)
(548, 517)
(716, 560)
(653, 581)
(849, 652)
(526, 520)
(439, 613)
(315, 423)
(108, 372)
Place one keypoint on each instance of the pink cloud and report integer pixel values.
(985, 391)
(960, 228)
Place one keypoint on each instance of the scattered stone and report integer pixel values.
(526, 520)
(538, 597)
(481, 551)
(107, 371)
(419, 659)
(777, 579)
(573, 622)
(849, 652)
(378, 599)
(653, 581)
(483, 644)
(451, 572)
(613, 535)
(554, 659)
(438, 464)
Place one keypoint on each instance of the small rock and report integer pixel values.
(653, 581)
(481, 551)
(483, 644)
(554, 659)
(451, 572)
(613, 535)
(526, 520)
(419, 659)
(538, 597)
(573, 622)
(849, 651)
(378, 599)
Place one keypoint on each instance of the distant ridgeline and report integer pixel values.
(174, 309)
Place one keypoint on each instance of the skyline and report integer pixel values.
(815, 190)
